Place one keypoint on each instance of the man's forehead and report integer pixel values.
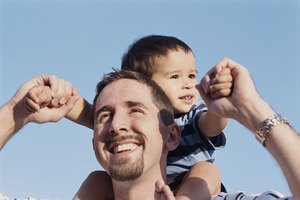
(123, 86)
(125, 91)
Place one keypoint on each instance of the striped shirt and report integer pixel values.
(268, 195)
(194, 145)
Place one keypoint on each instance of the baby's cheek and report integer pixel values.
(196, 93)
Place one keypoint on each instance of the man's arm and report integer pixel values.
(246, 106)
(10, 122)
(15, 113)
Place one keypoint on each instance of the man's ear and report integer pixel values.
(94, 148)
(174, 135)
(96, 151)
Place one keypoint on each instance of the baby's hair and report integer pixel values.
(141, 54)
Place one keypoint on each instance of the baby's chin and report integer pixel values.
(181, 111)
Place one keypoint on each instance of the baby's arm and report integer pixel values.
(220, 83)
(82, 113)
(210, 124)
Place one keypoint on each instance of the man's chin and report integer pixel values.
(126, 170)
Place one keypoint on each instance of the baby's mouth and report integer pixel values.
(187, 97)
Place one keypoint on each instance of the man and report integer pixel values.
(133, 133)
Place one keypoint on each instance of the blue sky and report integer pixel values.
(80, 40)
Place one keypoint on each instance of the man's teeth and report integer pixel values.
(125, 147)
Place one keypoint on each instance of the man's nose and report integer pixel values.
(119, 124)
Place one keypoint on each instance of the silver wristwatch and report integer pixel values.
(266, 126)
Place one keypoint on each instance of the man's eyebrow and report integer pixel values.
(103, 109)
(131, 104)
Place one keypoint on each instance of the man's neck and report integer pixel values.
(136, 190)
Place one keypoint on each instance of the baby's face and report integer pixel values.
(176, 74)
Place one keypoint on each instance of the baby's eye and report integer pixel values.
(175, 76)
(192, 76)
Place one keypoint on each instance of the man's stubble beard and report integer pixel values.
(125, 170)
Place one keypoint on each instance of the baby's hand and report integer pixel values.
(37, 98)
(164, 190)
(221, 83)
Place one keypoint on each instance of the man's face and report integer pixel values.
(127, 132)
(176, 74)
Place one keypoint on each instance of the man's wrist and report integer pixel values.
(267, 125)
(253, 112)
(11, 122)
(18, 113)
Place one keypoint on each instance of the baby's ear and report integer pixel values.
(174, 135)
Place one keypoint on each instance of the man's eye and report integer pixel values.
(136, 110)
(103, 117)
(175, 77)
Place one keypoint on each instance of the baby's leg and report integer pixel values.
(96, 186)
(164, 190)
(202, 182)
